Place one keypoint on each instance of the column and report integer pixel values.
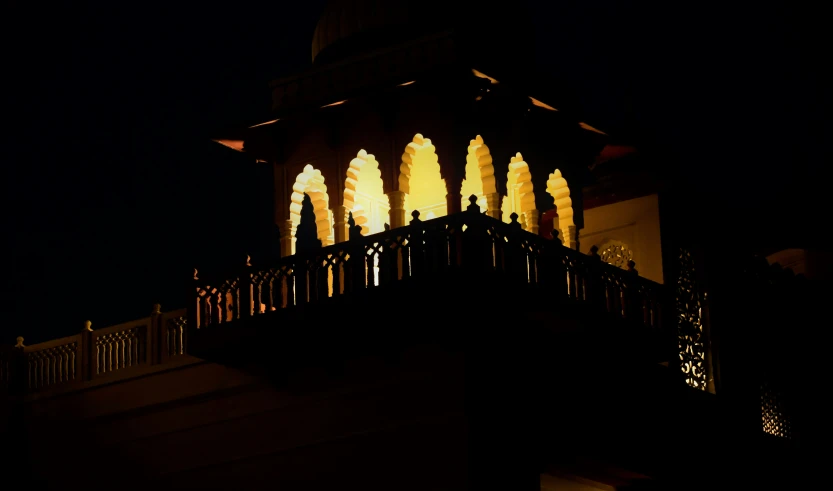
(340, 224)
(569, 236)
(287, 240)
(453, 197)
(493, 205)
(532, 221)
(396, 200)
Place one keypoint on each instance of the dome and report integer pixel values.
(349, 27)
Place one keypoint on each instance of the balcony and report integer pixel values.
(451, 279)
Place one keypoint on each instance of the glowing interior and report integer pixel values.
(520, 197)
(480, 174)
(557, 188)
(421, 181)
(364, 194)
(311, 182)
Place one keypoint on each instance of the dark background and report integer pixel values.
(113, 191)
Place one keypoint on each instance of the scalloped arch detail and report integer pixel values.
(364, 178)
(311, 182)
(520, 197)
(559, 190)
(480, 174)
(420, 178)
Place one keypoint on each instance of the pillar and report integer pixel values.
(287, 240)
(453, 189)
(532, 221)
(454, 201)
(396, 199)
(569, 236)
(493, 205)
(340, 226)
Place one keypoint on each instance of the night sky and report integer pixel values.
(113, 191)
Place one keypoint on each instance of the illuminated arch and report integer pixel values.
(520, 198)
(560, 192)
(364, 193)
(311, 182)
(421, 181)
(480, 174)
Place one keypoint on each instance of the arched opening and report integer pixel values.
(520, 198)
(311, 182)
(480, 175)
(421, 181)
(560, 192)
(364, 194)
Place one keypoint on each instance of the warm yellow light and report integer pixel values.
(483, 75)
(421, 180)
(334, 104)
(311, 182)
(520, 198)
(264, 124)
(536, 102)
(480, 174)
(560, 192)
(364, 194)
(406, 83)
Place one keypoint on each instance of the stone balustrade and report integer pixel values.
(93, 355)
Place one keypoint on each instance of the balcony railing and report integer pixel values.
(467, 242)
(93, 355)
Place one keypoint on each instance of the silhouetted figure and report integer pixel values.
(473, 206)
(554, 236)
(353, 231)
(632, 268)
(594, 254)
(306, 237)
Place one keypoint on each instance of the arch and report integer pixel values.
(311, 182)
(520, 197)
(364, 193)
(480, 174)
(560, 192)
(421, 180)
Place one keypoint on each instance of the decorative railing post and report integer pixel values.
(155, 336)
(417, 246)
(514, 258)
(245, 288)
(476, 243)
(358, 259)
(88, 352)
(551, 271)
(194, 305)
(17, 367)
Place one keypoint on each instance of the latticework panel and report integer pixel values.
(120, 349)
(273, 288)
(175, 335)
(53, 365)
(691, 340)
(775, 420)
(616, 255)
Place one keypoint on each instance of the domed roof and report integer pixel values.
(349, 27)
(371, 23)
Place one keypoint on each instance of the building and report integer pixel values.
(435, 320)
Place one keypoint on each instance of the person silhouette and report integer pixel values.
(594, 254)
